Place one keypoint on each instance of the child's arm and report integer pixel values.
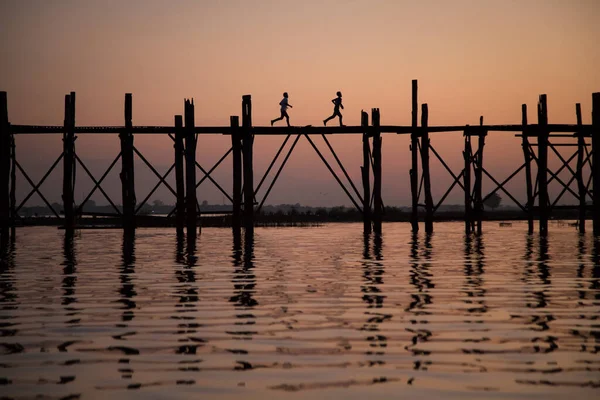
(290, 106)
(341, 105)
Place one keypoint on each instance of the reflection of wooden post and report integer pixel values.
(414, 151)
(543, 164)
(467, 182)
(4, 168)
(190, 169)
(69, 162)
(426, 175)
(579, 172)
(596, 160)
(366, 174)
(248, 141)
(377, 203)
(236, 146)
(179, 175)
(527, 158)
(127, 169)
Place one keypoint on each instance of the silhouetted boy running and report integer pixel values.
(284, 105)
(336, 109)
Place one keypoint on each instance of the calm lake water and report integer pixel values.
(301, 313)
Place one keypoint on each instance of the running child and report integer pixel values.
(337, 103)
(284, 105)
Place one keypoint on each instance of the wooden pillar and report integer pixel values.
(236, 145)
(478, 198)
(579, 172)
(190, 169)
(13, 185)
(527, 159)
(467, 182)
(377, 203)
(69, 162)
(366, 173)
(543, 164)
(596, 160)
(179, 175)
(127, 169)
(247, 144)
(425, 165)
(4, 169)
(414, 151)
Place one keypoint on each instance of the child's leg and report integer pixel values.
(278, 119)
(329, 118)
(339, 114)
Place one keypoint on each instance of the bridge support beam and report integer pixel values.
(190, 170)
(236, 145)
(543, 164)
(425, 165)
(247, 144)
(581, 190)
(467, 154)
(414, 152)
(127, 169)
(366, 174)
(179, 175)
(69, 163)
(478, 187)
(527, 159)
(5, 170)
(377, 202)
(596, 160)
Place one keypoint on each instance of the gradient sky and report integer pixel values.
(471, 57)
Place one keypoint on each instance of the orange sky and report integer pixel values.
(472, 58)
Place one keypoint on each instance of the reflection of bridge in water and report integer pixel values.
(247, 199)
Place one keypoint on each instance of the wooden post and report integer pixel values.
(579, 172)
(425, 165)
(543, 164)
(127, 169)
(527, 159)
(13, 185)
(69, 162)
(377, 203)
(366, 174)
(479, 177)
(190, 169)
(236, 145)
(414, 151)
(247, 143)
(596, 160)
(4, 169)
(179, 175)
(467, 182)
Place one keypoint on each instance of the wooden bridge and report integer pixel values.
(368, 201)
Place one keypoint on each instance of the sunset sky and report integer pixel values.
(471, 57)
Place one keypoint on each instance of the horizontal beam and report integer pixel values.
(308, 130)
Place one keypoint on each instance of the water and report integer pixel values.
(301, 312)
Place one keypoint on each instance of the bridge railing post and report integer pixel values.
(179, 175)
(69, 163)
(479, 177)
(467, 155)
(414, 151)
(527, 159)
(543, 164)
(127, 169)
(248, 142)
(377, 202)
(581, 190)
(190, 169)
(426, 173)
(5, 166)
(596, 161)
(366, 173)
(236, 146)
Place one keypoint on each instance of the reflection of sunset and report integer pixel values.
(471, 58)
